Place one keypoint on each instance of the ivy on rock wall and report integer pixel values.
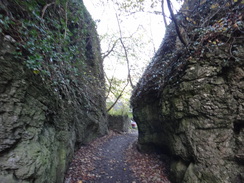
(189, 102)
(203, 25)
(55, 40)
(51, 37)
(51, 87)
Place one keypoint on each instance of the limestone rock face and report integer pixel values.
(120, 123)
(51, 105)
(190, 101)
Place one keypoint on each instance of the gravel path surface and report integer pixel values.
(114, 158)
(112, 167)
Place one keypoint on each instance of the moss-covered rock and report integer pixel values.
(189, 102)
(119, 123)
(51, 88)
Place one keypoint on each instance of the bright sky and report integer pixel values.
(106, 15)
(147, 30)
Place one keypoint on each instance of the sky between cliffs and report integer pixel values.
(145, 29)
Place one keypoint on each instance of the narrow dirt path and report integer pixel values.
(115, 159)
(112, 167)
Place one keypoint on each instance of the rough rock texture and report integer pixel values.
(189, 102)
(48, 109)
(119, 123)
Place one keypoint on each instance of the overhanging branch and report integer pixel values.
(175, 22)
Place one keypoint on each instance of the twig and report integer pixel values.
(120, 95)
(128, 64)
(66, 19)
(126, 54)
(212, 15)
(163, 13)
(110, 85)
(45, 7)
(107, 53)
(175, 22)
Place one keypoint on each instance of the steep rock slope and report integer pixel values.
(189, 103)
(51, 88)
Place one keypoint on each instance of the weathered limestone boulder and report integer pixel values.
(189, 103)
(51, 88)
(119, 123)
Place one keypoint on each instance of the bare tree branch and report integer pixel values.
(45, 7)
(109, 51)
(66, 19)
(120, 95)
(128, 63)
(175, 22)
(126, 54)
(110, 85)
(163, 13)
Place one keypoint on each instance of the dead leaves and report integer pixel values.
(148, 168)
(83, 162)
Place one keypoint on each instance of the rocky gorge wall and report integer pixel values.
(189, 103)
(51, 88)
(120, 123)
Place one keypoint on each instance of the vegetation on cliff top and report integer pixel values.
(202, 26)
(47, 44)
(56, 40)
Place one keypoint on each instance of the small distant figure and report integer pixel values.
(133, 124)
